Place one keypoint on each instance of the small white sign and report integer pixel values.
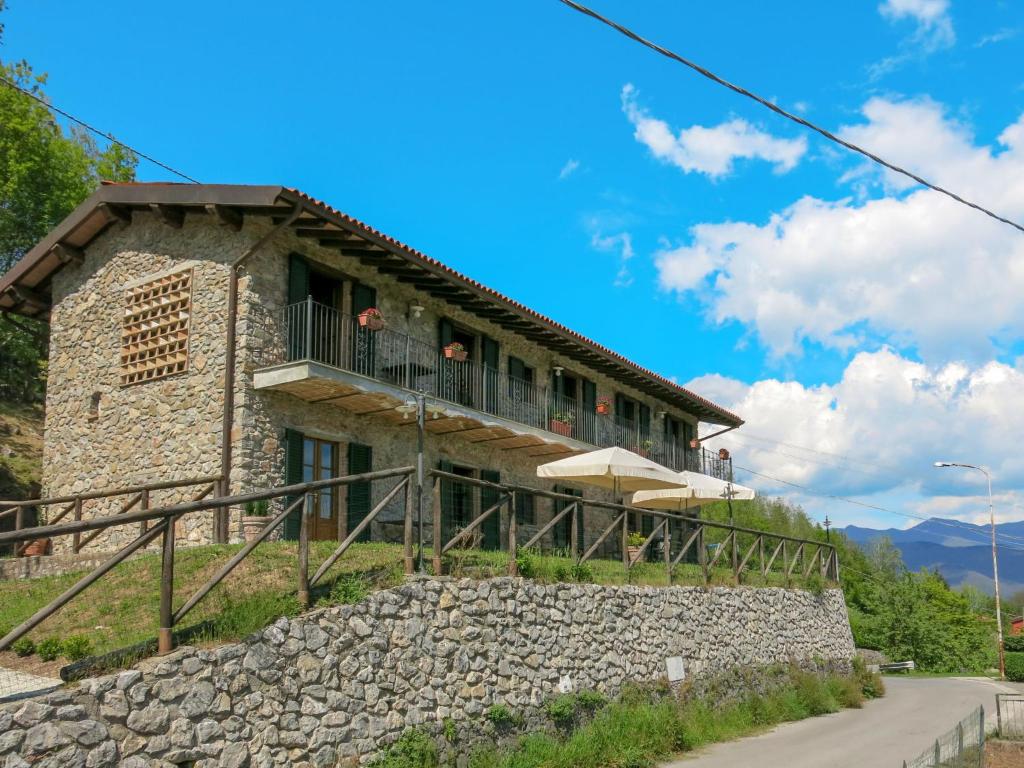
(674, 667)
(565, 684)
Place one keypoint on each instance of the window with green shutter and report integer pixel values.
(360, 459)
(293, 451)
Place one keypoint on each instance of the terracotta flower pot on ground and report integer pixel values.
(37, 547)
(562, 428)
(253, 525)
(632, 552)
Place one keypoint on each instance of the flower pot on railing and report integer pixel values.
(561, 425)
(456, 352)
(37, 547)
(604, 407)
(371, 319)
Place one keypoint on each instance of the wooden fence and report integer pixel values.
(745, 547)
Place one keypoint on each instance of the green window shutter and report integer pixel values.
(516, 368)
(363, 297)
(445, 332)
(293, 441)
(489, 347)
(447, 501)
(360, 459)
(525, 512)
(644, 421)
(298, 279)
(589, 396)
(488, 496)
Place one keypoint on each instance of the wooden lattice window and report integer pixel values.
(154, 335)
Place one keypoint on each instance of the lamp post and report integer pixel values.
(418, 405)
(995, 559)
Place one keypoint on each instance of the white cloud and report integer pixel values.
(1007, 33)
(713, 150)
(934, 25)
(915, 269)
(933, 31)
(876, 432)
(568, 169)
(623, 243)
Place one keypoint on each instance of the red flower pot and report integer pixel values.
(371, 320)
(562, 428)
(458, 355)
(604, 408)
(37, 547)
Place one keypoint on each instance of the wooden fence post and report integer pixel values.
(438, 538)
(76, 538)
(513, 532)
(307, 509)
(165, 637)
(144, 501)
(409, 563)
(625, 541)
(574, 532)
(667, 546)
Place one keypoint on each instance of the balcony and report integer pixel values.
(327, 357)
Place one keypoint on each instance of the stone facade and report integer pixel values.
(336, 685)
(99, 434)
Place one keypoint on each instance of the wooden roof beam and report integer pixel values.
(68, 254)
(171, 215)
(226, 215)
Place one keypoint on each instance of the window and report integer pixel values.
(94, 406)
(154, 330)
(320, 462)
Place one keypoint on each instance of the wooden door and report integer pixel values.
(320, 462)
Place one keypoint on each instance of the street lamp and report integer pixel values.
(995, 559)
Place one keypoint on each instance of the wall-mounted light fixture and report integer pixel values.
(558, 370)
(415, 310)
(662, 414)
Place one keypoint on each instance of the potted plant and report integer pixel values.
(255, 519)
(455, 351)
(695, 443)
(561, 423)
(604, 406)
(723, 454)
(634, 541)
(645, 448)
(371, 319)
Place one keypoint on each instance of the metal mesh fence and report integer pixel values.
(961, 747)
(19, 685)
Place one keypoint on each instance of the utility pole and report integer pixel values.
(828, 525)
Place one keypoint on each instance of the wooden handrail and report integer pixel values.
(155, 486)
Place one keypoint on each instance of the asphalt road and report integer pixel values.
(883, 734)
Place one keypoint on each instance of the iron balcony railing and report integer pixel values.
(321, 334)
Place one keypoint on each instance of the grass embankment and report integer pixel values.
(647, 724)
(122, 609)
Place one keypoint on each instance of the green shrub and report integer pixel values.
(1015, 667)
(871, 683)
(24, 647)
(501, 715)
(846, 691)
(349, 589)
(562, 709)
(814, 694)
(76, 647)
(1014, 643)
(451, 733)
(526, 563)
(590, 700)
(414, 749)
(49, 649)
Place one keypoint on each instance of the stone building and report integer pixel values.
(214, 330)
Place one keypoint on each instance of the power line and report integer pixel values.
(95, 130)
(780, 111)
(820, 462)
(948, 523)
(845, 457)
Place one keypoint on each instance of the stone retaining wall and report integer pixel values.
(335, 685)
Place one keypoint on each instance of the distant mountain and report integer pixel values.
(960, 551)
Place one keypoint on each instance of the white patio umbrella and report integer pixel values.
(614, 468)
(698, 488)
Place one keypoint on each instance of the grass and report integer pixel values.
(21, 450)
(647, 725)
(122, 609)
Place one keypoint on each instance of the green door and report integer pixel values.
(491, 527)
(360, 459)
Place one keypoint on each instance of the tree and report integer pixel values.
(45, 171)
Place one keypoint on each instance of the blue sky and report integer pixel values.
(556, 161)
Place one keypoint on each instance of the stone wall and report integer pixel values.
(336, 685)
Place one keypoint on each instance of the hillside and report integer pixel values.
(960, 551)
(21, 450)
